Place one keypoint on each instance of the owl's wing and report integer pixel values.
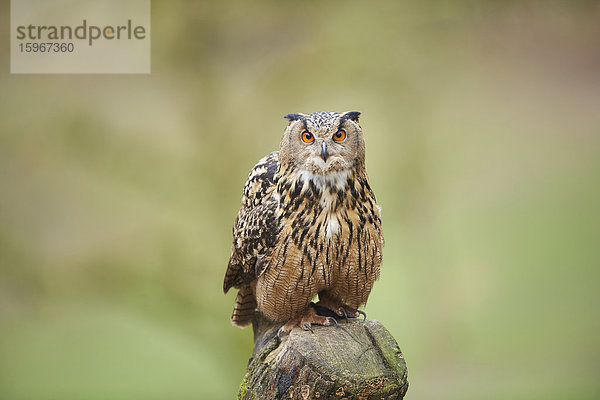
(255, 229)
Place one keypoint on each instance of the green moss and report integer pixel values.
(244, 388)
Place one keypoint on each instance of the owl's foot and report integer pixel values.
(306, 320)
(326, 306)
(350, 312)
(330, 309)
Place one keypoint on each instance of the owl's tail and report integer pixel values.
(245, 307)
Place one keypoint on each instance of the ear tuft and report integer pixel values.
(293, 117)
(351, 115)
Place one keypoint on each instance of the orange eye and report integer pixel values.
(339, 135)
(307, 137)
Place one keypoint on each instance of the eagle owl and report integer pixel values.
(308, 226)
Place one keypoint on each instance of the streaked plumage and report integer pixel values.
(308, 226)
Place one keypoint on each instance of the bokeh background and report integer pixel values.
(482, 125)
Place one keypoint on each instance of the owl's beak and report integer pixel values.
(324, 153)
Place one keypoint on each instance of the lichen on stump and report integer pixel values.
(357, 360)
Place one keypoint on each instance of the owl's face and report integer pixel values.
(323, 143)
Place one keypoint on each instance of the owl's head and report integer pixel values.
(323, 142)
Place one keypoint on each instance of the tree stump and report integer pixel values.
(357, 360)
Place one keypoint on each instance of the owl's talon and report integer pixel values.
(307, 327)
(279, 332)
(364, 314)
(334, 321)
(344, 312)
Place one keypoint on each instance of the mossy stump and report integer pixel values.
(357, 360)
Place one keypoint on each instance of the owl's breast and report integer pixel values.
(330, 226)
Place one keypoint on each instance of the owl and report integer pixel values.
(308, 226)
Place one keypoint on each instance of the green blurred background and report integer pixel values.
(482, 124)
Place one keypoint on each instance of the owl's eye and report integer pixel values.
(307, 137)
(339, 136)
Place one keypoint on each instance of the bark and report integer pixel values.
(358, 360)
